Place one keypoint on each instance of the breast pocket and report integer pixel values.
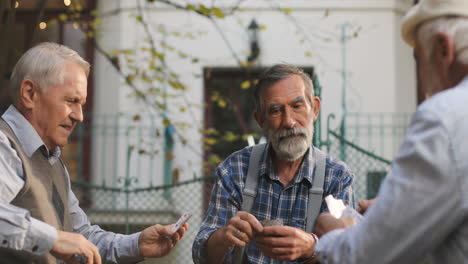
(298, 223)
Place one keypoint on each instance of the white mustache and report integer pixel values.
(290, 132)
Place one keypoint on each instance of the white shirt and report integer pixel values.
(422, 207)
(20, 231)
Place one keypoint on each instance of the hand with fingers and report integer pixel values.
(158, 240)
(239, 231)
(365, 204)
(286, 243)
(75, 249)
(327, 222)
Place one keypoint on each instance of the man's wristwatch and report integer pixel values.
(314, 255)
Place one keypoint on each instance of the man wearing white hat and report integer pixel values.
(422, 209)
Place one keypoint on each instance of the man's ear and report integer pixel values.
(443, 52)
(259, 118)
(28, 92)
(316, 107)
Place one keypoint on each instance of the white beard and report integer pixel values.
(291, 144)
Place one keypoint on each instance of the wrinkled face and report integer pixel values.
(57, 110)
(288, 117)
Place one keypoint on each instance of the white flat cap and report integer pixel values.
(427, 10)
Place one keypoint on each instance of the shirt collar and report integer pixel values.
(305, 171)
(28, 138)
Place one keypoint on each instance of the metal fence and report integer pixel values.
(369, 169)
(143, 207)
(121, 205)
(379, 133)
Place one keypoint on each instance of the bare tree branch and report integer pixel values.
(226, 41)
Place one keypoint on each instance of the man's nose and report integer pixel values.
(288, 119)
(77, 114)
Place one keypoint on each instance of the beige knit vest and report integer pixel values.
(37, 196)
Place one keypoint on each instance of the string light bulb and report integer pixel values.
(42, 25)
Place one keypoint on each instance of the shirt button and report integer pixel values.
(35, 248)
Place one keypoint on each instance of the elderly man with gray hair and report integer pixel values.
(40, 219)
(266, 198)
(421, 213)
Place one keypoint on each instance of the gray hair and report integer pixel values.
(43, 65)
(275, 74)
(455, 27)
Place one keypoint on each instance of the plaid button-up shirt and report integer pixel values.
(273, 201)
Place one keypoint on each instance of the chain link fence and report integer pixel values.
(369, 169)
(127, 211)
(125, 206)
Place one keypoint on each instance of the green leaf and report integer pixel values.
(127, 51)
(245, 85)
(130, 78)
(210, 131)
(152, 65)
(204, 10)
(182, 55)
(139, 19)
(176, 85)
(287, 10)
(63, 17)
(146, 78)
(217, 12)
(190, 7)
(210, 141)
(229, 136)
(222, 103)
(166, 122)
(97, 21)
(214, 159)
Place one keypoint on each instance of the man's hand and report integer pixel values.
(239, 231)
(285, 243)
(68, 245)
(157, 240)
(364, 205)
(327, 222)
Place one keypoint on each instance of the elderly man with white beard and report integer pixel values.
(281, 182)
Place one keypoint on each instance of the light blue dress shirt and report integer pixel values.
(422, 209)
(20, 231)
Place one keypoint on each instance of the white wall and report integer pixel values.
(379, 66)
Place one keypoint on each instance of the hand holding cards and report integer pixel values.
(275, 222)
(339, 210)
(182, 220)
